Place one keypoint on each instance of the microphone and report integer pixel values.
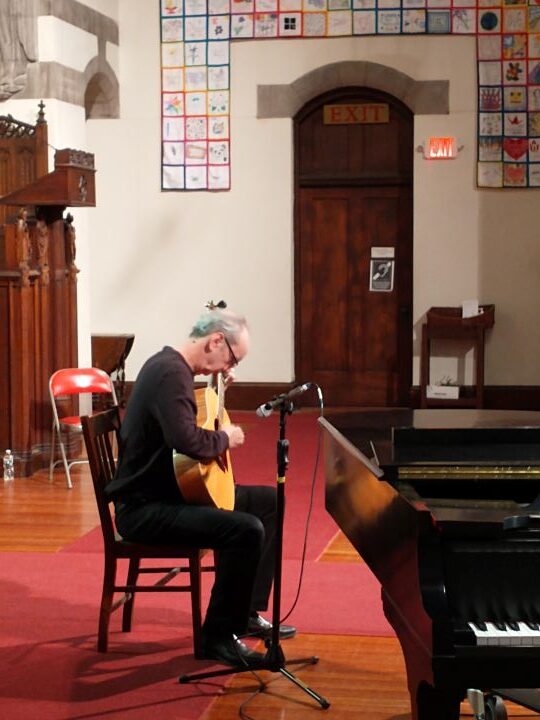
(268, 408)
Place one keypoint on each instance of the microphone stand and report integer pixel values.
(274, 658)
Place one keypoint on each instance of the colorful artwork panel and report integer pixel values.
(195, 73)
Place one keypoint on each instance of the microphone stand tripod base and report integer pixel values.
(274, 662)
(276, 659)
(278, 665)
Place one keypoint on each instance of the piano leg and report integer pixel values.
(431, 703)
(427, 702)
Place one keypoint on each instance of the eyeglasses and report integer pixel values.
(233, 360)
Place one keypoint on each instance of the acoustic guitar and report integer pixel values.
(208, 483)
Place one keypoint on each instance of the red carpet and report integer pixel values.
(49, 606)
(50, 668)
(356, 608)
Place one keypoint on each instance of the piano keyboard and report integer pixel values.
(507, 633)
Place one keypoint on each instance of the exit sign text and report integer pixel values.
(356, 114)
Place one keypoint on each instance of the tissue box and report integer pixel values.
(443, 392)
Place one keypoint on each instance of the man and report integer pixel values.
(161, 416)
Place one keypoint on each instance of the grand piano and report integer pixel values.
(443, 506)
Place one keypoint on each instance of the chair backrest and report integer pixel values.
(75, 381)
(67, 382)
(99, 431)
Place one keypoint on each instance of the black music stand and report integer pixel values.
(274, 658)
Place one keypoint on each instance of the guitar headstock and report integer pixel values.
(216, 380)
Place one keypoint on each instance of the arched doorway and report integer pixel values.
(353, 246)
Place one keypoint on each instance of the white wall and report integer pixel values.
(151, 259)
(64, 43)
(172, 251)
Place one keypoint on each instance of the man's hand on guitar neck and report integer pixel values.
(235, 433)
(228, 377)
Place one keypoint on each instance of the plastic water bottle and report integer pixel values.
(9, 470)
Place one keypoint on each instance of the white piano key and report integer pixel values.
(482, 636)
(488, 634)
(497, 635)
(531, 636)
(516, 635)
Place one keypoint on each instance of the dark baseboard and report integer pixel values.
(248, 396)
(512, 397)
(242, 396)
(498, 397)
(39, 457)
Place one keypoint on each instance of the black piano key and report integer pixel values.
(513, 625)
(480, 625)
(500, 626)
(533, 625)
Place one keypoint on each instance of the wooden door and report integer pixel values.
(353, 205)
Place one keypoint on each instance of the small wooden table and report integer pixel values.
(447, 323)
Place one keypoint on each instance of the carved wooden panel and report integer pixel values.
(38, 282)
(38, 335)
(23, 155)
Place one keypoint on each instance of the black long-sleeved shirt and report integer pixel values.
(161, 416)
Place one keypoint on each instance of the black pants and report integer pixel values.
(244, 539)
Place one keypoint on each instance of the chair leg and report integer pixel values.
(127, 611)
(51, 464)
(56, 432)
(65, 463)
(107, 596)
(64, 460)
(195, 580)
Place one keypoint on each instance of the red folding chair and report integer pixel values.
(64, 384)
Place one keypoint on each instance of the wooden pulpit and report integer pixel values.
(38, 283)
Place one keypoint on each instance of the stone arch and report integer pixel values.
(423, 97)
(101, 95)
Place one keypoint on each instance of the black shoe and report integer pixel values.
(231, 651)
(261, 628)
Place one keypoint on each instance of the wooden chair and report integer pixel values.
(99, 432)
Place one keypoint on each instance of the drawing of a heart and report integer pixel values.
(515, 147)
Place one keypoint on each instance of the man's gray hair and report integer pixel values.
(230, 324)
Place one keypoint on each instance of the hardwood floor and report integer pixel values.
(361, 677)
(42, 516)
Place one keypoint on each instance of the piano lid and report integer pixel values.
(468, 436)
(441, 436)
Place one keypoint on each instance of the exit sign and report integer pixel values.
(440, 148)
(356, 114)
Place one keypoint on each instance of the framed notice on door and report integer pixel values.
(381, 274)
